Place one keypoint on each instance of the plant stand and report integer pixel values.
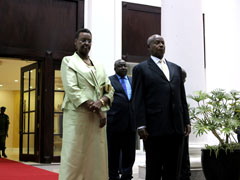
(225, 167)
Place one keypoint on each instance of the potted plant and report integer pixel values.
(218, 112)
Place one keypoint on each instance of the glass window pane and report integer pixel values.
(57, 145)
(25, 122)
(58, 81)
(25, 102)
(32, 122)
(33, 79)
(58, 99)
(31, 143)
(26, 81)
(58, 123)
(25, 144)
(32, 100)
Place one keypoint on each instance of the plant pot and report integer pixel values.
(226, 166)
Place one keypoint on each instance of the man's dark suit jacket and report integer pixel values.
(120, 114)
(159, 104)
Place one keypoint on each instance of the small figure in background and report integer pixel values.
(4, 123)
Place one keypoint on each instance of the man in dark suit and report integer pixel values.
(161, 111)
(4, 123)
(121, 131)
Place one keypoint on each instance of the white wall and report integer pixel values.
(104, 19)
(99, 18)
(182, 29)
(222, 19)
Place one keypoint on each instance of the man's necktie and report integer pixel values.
(164, 69)
(122, 81)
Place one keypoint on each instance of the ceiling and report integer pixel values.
(10, 69)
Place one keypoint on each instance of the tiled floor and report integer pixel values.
(139, 161)
(54, 167)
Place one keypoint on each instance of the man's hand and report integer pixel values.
(102, 118)
(142, 132)
(187, 130)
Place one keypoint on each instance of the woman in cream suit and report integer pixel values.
(88, 94)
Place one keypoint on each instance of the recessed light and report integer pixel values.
(59, 88)
(16, 80)
(1, 85)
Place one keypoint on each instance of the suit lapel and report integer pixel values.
(119, 85)
(171, 69)
(80, 67)
(130, 81)
(152, 65)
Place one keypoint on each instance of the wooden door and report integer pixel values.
(138, 23)
(29, 109)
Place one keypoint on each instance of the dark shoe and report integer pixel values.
(4, 155)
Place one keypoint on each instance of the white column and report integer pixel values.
(182, 29)
(99, 18)
(223, 43)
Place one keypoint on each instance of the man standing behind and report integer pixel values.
(185, 172)
(4, 123)
(161, 111)
(121, 133)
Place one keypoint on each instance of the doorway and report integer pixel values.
(29, 113)
(10, 98)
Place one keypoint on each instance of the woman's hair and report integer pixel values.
(82, 30)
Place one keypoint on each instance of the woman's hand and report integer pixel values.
(88, 105)
(96, 106)
(103, 119)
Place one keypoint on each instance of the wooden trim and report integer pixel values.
(204, 41)
(132, 58)
(46, 123)
(140, 7)
(31, 54)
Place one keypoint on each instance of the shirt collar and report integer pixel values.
(119, 77)
(156, 60)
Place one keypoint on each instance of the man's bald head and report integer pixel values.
(156, 45)
(151, 38)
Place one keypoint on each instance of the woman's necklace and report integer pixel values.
(88, 62)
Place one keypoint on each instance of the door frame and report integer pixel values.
(29, 157)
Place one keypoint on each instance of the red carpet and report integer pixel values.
(12, 170)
